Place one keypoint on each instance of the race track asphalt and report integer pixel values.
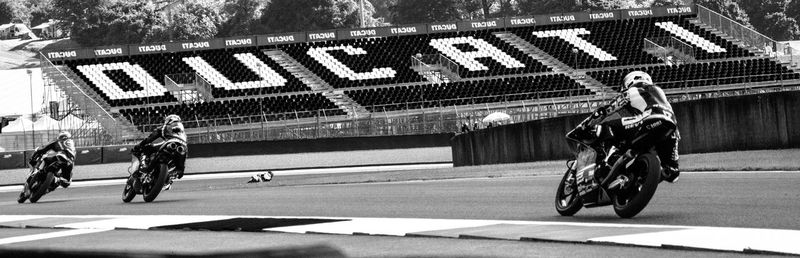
(720, 199)
(729, 199)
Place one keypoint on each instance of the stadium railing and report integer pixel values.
(748, 36)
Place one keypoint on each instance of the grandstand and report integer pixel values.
(423, 78)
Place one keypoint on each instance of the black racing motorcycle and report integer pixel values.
(151, 181)
(41, 179)
(607, 170)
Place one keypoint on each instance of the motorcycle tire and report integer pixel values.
(647, 170)
(38, 190)
(152, 191)
(568, 201)
(129, 192)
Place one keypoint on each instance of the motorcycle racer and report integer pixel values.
(171, 129)
(64, 146)
(641, 100)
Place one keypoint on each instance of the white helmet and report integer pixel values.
(634, 78)
(62, 136)
(170, 119)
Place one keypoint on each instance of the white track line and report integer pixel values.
(11, 240)
(288, 172)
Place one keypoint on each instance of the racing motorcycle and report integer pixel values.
(150, 182)
(607, 170)
(41, 179)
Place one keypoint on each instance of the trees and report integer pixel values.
(418, 11)
(529, 7)
(6, 13)
(193, 21)
(239, 17)
(292, 15)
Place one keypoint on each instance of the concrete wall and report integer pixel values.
(115, 154)
(753, 122)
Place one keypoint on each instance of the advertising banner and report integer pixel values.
(543, 19)
(605, 15)
(321, 35)
(59, 55)
(147, 48)
(407, 30)
(110, 51)
(442, 27)
(481, 25)
(637, 13)
(282, 38)
(674, 10)
(523, 21)
(232, 42)
(363, 33)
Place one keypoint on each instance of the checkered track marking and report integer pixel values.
(711, 238)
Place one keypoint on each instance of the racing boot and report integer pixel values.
(670, 174)
(167, 185)
(63, 182)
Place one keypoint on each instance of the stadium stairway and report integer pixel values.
(739, 43)
(580, 77)
(317, 84)
(64, 79)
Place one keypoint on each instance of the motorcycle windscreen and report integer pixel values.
(585, 167)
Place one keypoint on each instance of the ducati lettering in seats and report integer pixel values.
(571, 36)
(340, 69)
(269, 78)
(149, 85)
(468, 59)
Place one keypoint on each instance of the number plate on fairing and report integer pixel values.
(585, 167)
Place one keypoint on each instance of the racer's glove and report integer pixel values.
(137, 150)
(33, 161)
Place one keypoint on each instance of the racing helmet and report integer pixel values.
(63, 136)
(171, 119)
(634, 78)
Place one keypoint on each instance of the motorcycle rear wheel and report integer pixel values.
(129, 192)
(38, 189)
(568, 201)
(646, 172)
(159, 178)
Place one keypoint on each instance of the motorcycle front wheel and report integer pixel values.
(129, 192)
(39, 188)
(159, 177)
(645, 175)
(568, 202)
